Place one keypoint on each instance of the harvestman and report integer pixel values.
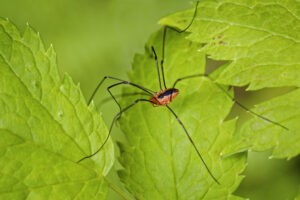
(165, 95)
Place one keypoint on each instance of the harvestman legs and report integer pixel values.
(117, 116)
(232, 98)
(192, 142)
(150, 92)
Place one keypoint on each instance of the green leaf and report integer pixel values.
(45, 126)
(159, 161)
(257, 136)
(261, 41)
(298, 195)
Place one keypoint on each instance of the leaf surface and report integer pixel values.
(260, 38)
(45, 126)
(159, 161)
(261, 42)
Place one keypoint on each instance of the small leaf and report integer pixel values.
(159, 160)
(259, 136)
(45, 126)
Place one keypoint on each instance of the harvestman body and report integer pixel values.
(165, 96)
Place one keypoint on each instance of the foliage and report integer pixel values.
(160, 162)
(260, 40)
(47, 127)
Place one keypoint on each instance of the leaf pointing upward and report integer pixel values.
(260, 39)
(45, 126)
(160, 162)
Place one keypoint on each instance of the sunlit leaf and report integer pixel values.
(260, 38)
(160, 162)
(45, 126)
(261, 42)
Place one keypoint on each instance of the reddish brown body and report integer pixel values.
(164, 97)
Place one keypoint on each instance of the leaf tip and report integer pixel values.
(51, 53)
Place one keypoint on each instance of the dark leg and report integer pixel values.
(189, 25)
(188, 77)
(129, 94)
(232, 98)
(194, 145)
(163, 56)
(157, 67)
(113, 96)
(150, 92)
(108, 89)
(111, 126)
(165, 38)
(114, 85)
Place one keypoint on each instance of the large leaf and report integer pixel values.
(261, 41)
(159, 160)
(260, 38)
(45, 126)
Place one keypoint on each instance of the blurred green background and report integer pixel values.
(97, 38)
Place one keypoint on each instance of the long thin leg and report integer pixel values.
(129, 94)
(113, 96)
(165, 38)
(151, 92)
(157, 67)
(111, 126)
(163, 56)
(192, 142)
(188, 77)
(114, 85)
(189, 25)
(232, 98)
(108, 89)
